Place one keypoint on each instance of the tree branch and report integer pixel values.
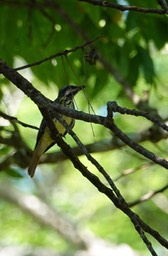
(124, 8)
(157, 120)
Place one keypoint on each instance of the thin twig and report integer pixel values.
(61, 53)
(148, 196)
(124, 8)
(14, 119)
(115, 108)
(132, 170)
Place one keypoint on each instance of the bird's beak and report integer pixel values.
(77, 89)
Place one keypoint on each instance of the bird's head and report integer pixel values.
(69, 91)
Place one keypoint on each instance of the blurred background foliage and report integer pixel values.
(130, 67)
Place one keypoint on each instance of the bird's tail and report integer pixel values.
(34, 162)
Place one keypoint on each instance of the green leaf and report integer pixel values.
(146, 65)
(133, 71)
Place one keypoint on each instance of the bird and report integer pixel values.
(44, 140)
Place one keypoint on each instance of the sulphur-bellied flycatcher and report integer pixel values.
(44, 140)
